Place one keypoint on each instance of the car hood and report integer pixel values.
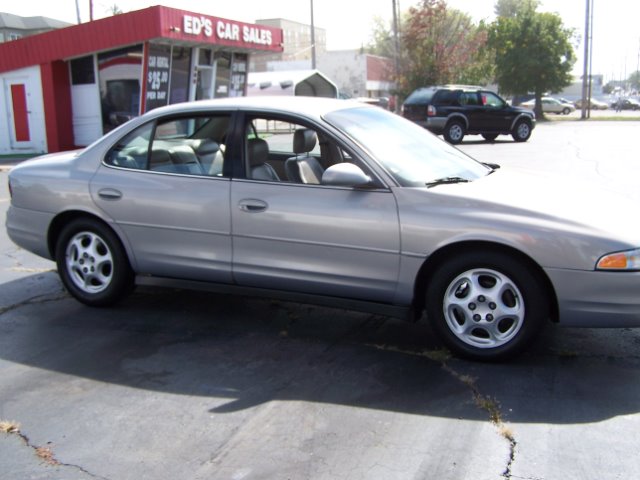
(558, 222)
(573, 202)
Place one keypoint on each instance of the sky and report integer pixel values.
(616, 31)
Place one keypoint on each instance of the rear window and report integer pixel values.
(422, 96)
(447, 97)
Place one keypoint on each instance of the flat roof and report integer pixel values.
(154, 23)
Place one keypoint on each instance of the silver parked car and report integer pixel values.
(333, 202)
(551, 105)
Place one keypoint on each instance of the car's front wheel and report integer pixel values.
(92, 263)
(486, 305)
(566, 111)
(454, 132)
(521, 131)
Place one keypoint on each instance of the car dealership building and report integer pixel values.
(65, 88)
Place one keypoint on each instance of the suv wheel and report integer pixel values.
(454, 132)
(521, 131)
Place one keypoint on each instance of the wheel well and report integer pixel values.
(440, 256)
(458, 118)
(60, 222)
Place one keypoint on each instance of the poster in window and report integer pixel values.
(158, 68)
(238, 75)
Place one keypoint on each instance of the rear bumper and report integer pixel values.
(435, 124)
(597, 299)
(28, 229)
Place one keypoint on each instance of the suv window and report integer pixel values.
(446, 97)
(492, 100)
(420, 96)
(469, 98)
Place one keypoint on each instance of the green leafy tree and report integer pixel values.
(510, 8)
(441, 45)
(533, 53)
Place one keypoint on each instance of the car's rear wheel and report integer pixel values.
(454, 132)
(489, 137)
(521, 131)
(92, 263)
(486, 305)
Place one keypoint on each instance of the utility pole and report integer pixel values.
(313, 41)
(396, 46)
(78, 12)
(585, 72)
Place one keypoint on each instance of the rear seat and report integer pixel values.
(178, 159)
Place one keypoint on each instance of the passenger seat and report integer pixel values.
(303, 168)
(258, 153)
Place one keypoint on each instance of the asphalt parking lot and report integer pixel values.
(190, 385)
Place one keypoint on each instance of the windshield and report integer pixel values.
(412, 155)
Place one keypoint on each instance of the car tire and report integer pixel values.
(566, 111)
(454, 132)
(521, 131)
(486, 305)
(92, 263)
(489, 137)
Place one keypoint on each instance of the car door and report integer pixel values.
(472, 109)
(169, 198)
(307, 237)
(498, 116)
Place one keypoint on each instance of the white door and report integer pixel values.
(87, 116)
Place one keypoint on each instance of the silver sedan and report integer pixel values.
(331, 202)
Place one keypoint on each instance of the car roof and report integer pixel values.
(309, 106)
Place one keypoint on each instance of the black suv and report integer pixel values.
(455, 111)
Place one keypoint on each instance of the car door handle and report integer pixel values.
(252, 205)
(110, 194)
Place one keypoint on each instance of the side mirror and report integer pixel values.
(345, 175)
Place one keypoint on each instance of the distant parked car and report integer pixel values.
(593, 104)
(626, 104)
(458, 110)
(564, 100)
(551, 105)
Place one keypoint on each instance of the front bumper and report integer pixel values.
(596, 298)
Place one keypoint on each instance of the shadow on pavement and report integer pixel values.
(243, 352)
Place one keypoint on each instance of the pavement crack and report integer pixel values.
(37, 300)
(44, 453)
(492, 407)
(485, 402)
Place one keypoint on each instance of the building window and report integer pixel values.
(14, 36)
(238, 75)
(180, 67)
(119, 73)
(82, 71)
(223, 74)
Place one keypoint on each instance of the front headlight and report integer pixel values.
(629, 260)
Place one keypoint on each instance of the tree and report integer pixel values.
(441, 45)
(381, 39)
(510, 8)
(115, 9)
(533, 53)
